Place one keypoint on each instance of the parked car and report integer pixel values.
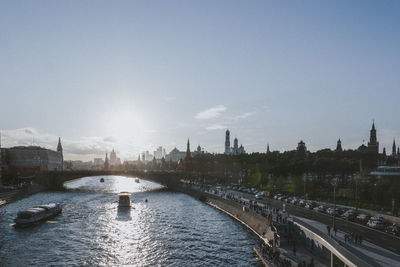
(310, 205)
(378, 218)
(332, 211)
(259, 195)
(319, 209)
(349, 215)
(376, 224)
(393, 229)
(302, 203)
(363, 218)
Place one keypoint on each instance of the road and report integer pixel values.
(379, 238)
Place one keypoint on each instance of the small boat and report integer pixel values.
(37, 214)
(124, 199)
(102, 180)
(137, 180)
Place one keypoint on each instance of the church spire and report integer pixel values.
(394, 148)
(268, 151)
(60, 151)
(59, 146)
(188, 149)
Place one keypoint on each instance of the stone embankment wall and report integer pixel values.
(251, 219)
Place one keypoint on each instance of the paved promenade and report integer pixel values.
(374, 255)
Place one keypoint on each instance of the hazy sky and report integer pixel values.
(135, 75)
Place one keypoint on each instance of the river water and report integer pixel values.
(171, 229)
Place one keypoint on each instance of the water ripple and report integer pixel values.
(171, 229)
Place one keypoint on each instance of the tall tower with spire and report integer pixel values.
(227, 142)
(394, 153)
(188, 149)
(339, 146)
(60, 151)
(373, 144)
(268, 151)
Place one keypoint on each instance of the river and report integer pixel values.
(171, 229)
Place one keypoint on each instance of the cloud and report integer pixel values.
(211, 113)
(110, 139)
(244, 115)
(216, 127)
(85, 146)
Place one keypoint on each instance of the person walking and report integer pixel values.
(328, 228)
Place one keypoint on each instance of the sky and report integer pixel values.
(135, 75)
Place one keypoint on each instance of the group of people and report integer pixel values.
(352, 237)
(268, 252)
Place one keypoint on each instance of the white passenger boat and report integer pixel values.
(124, 199)
(37, 214)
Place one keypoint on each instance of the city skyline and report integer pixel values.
(102, 151)
(135, 76)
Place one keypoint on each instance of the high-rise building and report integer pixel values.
(227, 142)
(106, 163)
(113, 158)
(373, 144)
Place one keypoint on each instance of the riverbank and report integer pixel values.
(13, 195)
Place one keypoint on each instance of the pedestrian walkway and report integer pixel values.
(374, 255)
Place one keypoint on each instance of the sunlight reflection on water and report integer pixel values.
(171, 229)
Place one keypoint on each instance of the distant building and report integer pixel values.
(159, 153)
(81, 165)
(268, 151)
(373, 144)
(394, 153)
(227, 143)
(339, 146)
(106, 163)
(188, 154)
(198, 151)
(114, 161)
(98, 163)
(235, 150)
(175, 155)
(33, 158)
(60, 151)
(301, 149)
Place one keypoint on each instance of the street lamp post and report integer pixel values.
(334, 184)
